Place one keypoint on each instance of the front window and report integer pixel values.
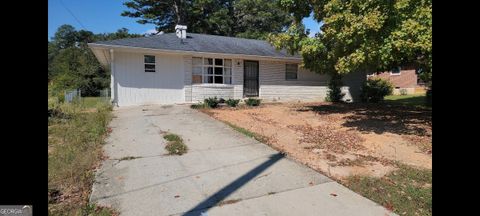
(149, 62)
(211, 70)
(395, 71)
(291, 71)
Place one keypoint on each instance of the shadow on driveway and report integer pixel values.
(232, 187)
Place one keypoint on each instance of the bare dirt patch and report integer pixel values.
(341, 139)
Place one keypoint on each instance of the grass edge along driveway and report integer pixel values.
(76, 134)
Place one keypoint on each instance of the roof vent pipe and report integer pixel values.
(181, 31)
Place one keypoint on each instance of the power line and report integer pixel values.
(71, 13)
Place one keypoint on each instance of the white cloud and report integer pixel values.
(150, 31)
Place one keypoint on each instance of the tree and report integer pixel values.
(241, 18)
(164, 14)
(119, 34)
(360, 35)
(257, 18)
(71, 64)
(65, 36)
(85, 37)
(211, 17)
(52, 52)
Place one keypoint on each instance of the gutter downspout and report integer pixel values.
(112, 79)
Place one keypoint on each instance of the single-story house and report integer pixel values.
(179, 68)
(403, 79)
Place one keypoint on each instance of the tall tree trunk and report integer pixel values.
(179, 5)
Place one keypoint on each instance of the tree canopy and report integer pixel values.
(361, 35)
(240, 18)
(71, 64)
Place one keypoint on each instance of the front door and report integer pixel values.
(250, 79)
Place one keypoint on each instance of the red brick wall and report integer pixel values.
(406, 79)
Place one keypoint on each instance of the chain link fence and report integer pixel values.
(72, 95)
(105, 94)
(63, 103)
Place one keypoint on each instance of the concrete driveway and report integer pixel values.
(223, 173)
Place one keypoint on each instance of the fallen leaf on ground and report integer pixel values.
(333, 194)
(177, 196)
(389, 206)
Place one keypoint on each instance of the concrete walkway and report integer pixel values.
(223, 173)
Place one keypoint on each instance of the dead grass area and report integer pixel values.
(75, 140)
(341, 140)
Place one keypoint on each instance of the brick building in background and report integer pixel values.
(401, 78)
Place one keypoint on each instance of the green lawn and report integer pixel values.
(407, 191)
(416, 100)
(92, 102)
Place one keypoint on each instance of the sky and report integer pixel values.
(103, 16)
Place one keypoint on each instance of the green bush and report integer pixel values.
(197, 106)
(374, 90)
(53, 107)
(403, 92)
(334, 93)
(55, 100)
(232, 102)
(63, 111)
(429, 97)
(252, 102)
(211, 102)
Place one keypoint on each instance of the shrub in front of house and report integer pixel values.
(374, 90)
(211, 102)
(252, 102)
(197, 106)
(335, 93)
(428, 97)
(232, 102)
(403, 92)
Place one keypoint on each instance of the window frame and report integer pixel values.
(396, 74)
(149, 63)
(286, 72)
(204, 67)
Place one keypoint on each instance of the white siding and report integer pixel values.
(200, 92)
(309, 86)
(137, 87)
(237, 79)
(187, 62)
(273, 85)
(172, 82)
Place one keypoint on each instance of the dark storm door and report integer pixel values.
(250, 79)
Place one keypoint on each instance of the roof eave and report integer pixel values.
(107, 46)
(102, 55)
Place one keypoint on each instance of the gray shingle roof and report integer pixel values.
(203, 43)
